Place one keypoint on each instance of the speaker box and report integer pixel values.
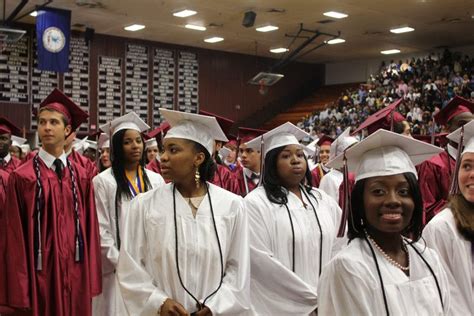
(249, 18)
(89, 34)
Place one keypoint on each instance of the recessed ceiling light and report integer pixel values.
(184, 13)
(390, 51)
(336, 15)
(279, 50)
(404, 29)
(214, 39)
(134, 27)
(336, 41)
(267, 28)
(195, 27)
(34, 13)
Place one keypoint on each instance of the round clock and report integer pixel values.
(53, 39)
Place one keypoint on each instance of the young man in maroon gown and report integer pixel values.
(3, 227)
(8, 163)
(324, 144)
(434, 175)
(53, 262)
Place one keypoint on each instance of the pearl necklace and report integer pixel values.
(389, 259)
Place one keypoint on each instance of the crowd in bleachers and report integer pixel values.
(425, 84)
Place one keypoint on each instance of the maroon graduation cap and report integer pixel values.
(246, 134)
(7, 127)
(382, 119)
(439, 140)
(160, 131)
(324, 140)
(456, 106)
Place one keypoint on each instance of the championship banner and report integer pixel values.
(53, 28)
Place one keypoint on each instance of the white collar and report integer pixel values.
(7, 158)
(453, 152)
(248, 173)
(49, 159)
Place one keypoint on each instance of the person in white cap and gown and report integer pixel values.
(151, 148)
(381, 271)
(15, 147)
(104, 152)
(293, 228)
(331, 182)
(114, 189)
(187, 249)
(451, 232)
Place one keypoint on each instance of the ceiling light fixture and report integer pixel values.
(279, 50)
(34, 13)
(390, 51)
(184, 13)
(336, 15)
(134, 27)
(400, 30)
(195, 27)
(214, 39)
(336, 41)
(267, 28)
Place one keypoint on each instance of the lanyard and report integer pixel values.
(137, 185)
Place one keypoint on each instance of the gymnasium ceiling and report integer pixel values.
(437, 23)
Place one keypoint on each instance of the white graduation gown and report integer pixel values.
(331, 182)
(147, 270)
(110, 303)
(275, 288)
(454, 250)
(350, 284)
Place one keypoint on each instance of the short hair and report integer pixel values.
(357, 221)
(272, 182)
(208, 168)
(63, 117)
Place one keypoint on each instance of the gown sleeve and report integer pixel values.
(288, 293)
(234, 295)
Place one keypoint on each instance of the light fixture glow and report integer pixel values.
(400, 30)
(279, 50)
(134, 27)
(390, 51)
(184, 13)
(214, 39)
(195, 27)
(336, 41)
(267, 28)
(336, 15)
(34, 13)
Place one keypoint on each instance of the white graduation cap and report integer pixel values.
(91, 144)
(79, 145)
(201, 129)
(283, 135)
(224, 152)
(341, 143)
(104, 141)
(17, 141)
(385, 153)
(151, 143)
(468, 137)
(25, 148)
(128, 121)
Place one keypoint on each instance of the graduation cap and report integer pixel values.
(104, 141)
(383, 118)
(341, 143)
(58, 101)
(283, 135)
(324, 140)
(201, 129)
(246, 134)
(159, 131)
(128, 121)
(18, 141)
(436, 139)
(385, 153)
(224, 152)
(151, 143)
(456, 106)
(90, 144)
(225, 123)
(7, 127)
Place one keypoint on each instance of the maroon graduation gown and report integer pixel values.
(241, 180)
(434, 177)
(11, 165)
(84, 162)
(224, 178)
(154, 166)
(3, 283)
(317, 174)
(63, 286)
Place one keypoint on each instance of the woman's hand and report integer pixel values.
(204, 312)
(173, 308)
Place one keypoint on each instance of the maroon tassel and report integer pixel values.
(391, 121)
(346, 207)
(454, 188)
(262, 160)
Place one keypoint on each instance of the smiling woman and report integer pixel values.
(382, 271)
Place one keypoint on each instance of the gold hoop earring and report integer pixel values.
(197, 178)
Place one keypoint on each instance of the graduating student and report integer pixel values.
(381, 271)
(293, 228)
(248, 173)
(52, 239)
(15, 148)
(3, 276)
(151, 149)
(158, 133)
(324, 151)
(435, 174)
(8, 163)
(230, 159)
(451, 232)
(333, 179)
(73, 154)
(185, 247)
(114, 189)
(104, 152)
